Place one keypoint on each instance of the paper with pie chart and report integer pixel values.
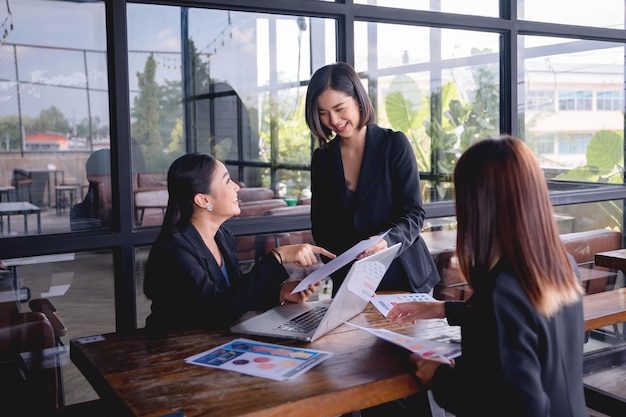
(424, 347)
(265, 360)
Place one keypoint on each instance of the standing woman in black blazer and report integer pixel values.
(192, 275)
(364, 180)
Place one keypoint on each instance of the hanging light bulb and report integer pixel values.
(301, 23)
(4, 25)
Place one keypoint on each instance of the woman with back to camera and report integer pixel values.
(364, 180)
(523, 328)
(192, 274)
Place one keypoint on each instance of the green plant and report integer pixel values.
(604, 160)
(441, 126)
(604, 164)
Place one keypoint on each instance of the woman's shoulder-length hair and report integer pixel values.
(339, 77)
(504, 210)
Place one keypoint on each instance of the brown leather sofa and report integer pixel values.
(581, 245)
(150, 198)
(259, 201)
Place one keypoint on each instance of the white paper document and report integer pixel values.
(335, 264)
(385, 302)
(425, 347)
(265, 360)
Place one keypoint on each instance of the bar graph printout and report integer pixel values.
(265, 360)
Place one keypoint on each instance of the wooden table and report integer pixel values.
(146, 376)
(16, 208)
(604, 308)
(615, 259)
(610, 306)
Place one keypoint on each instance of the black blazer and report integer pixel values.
(515, 361)
(388, 196)
(189, 291)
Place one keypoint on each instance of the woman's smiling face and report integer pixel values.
(224, 192)
(339, 112)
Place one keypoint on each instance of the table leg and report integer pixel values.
(50, 189)
(38, 223)
(49, 192)
(25, 223)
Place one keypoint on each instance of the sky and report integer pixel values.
(157, 28)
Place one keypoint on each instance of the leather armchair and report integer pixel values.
(30, 369)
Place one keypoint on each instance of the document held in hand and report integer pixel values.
(335, 264)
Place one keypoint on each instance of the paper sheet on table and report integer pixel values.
(335, 264)
(261, 359)
(425, 347)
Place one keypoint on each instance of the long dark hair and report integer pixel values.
(339, 77)
(503, 209)
(188, 175)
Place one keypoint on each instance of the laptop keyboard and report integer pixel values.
(305, 322)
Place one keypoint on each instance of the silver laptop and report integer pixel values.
(310, 321)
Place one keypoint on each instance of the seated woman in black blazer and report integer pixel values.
(522, 328)
(192, 275)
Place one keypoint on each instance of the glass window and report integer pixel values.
(54, 116)
(610, 100)
(143, 304)
(80, 286)
(481, 8)
(540, 100)
(250, 116)
(589, 140)
(591, 216)
(457, 74)
(575, 100)
(574, 144)
(543, 144)
(574, 12)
